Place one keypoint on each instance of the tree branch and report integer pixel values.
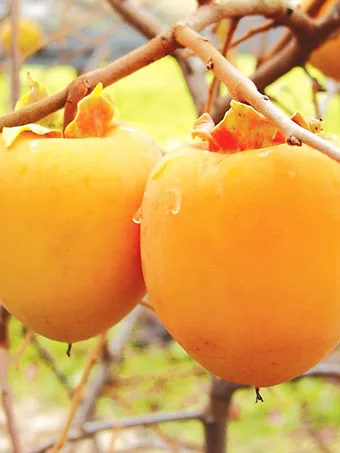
(15, 51)
(90, 429)
(294, 53)
(157, 48)
(244, 90)
(4, 385)
(91, 360)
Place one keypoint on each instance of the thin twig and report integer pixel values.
(91, 360)
(213, 90)
(111, 354)
(92, 428)
(50, 362)
(15, 52)
(26, 342)
(6, 393)
(266, 26)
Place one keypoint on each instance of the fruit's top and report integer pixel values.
(244, 128)
(96, 117)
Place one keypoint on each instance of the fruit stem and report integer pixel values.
(258, 395)
(69, 349)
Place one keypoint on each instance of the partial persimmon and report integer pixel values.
(70, 262)
(241, 250)
(31, 36)
(325, 58)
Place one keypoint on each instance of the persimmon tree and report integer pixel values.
(306, 33)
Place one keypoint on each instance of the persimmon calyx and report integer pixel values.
(10, 134)
(37, 92)
(95, 116)
(244, 128)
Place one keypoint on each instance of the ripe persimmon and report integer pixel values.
(241, 250)
(31, 36)
(325, 57)
(70, 256)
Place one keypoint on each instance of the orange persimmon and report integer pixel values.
(325, 58)
(70, 257)
(241, 250)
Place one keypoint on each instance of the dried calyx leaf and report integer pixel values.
(10, 134)
(37, 92)
(244, 128)
(95, 116)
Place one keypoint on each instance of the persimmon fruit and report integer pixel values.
(30, 38)
(70, 262)
(241, 252)
(325, 58)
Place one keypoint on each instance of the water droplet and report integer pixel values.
(137, 218)
(34, 145)
(175, 201)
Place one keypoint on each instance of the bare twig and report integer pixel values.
(15, 52)
(28, 335)
(213, 90)
(91, 360)
(244, 90)
(111, 354)
(266, 26)
(162, 45)
(4, 385)
(90, 429)
(149, 27)
(50, 362)
(294, 52)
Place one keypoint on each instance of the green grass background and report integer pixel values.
(156, 100)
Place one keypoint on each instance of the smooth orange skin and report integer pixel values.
(69, 250)
(325, 58)
(241, 258)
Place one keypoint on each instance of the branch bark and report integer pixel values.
(15, 51)
(215, 419)
(162, 45)
(6, 393)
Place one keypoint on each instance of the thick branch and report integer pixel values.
(215, 418)
(149, 27)
(156, 49)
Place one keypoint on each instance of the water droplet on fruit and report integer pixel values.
(33, 145)
(137, 218)
(175, 201)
